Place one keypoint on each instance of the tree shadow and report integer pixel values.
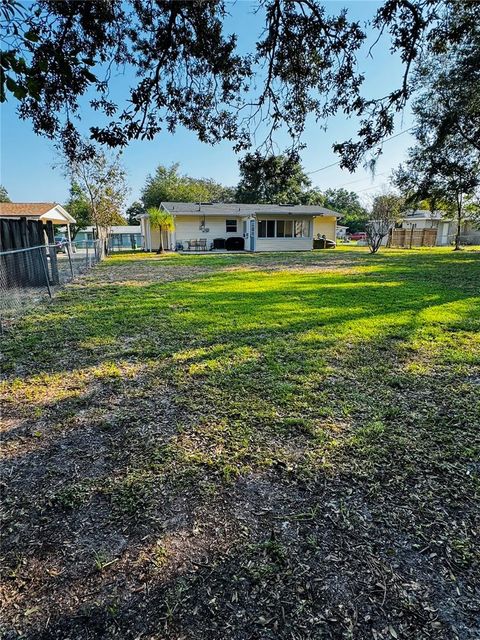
(253, 396)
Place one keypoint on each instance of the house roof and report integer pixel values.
(119, 229)
(236, 209)
(36, 210)
(25, 208)
(423, 214)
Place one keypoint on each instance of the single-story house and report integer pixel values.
(43, 211)
(341, 231)
(446, 226)
(119, 236)
(248, 227)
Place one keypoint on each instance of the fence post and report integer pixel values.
(52, 252)
(86, 255)
(45, 271)
(69, 246)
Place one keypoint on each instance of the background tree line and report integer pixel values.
(274, 179)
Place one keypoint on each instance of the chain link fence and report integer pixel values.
(467, 239)
(28, 276)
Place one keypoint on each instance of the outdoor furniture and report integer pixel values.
(235, 244)
(218, 243)
(197, 245)
(324, 243)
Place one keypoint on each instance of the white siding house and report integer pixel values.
(445, 225)
(249, 227)
(424, 219)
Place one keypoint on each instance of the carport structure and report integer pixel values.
(44, 211)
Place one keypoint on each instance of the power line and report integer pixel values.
(375, 186)
(334, 164)
(346, 184)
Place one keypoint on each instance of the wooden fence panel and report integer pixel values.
(408, 238)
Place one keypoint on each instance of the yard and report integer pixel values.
(246, 447)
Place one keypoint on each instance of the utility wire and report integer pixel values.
(375, 186)
(346, 184)
(334, 164)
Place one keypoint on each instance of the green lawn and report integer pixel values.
(247, 447)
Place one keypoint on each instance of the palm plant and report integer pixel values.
(161, 220)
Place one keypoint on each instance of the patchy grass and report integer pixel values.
(246, 446)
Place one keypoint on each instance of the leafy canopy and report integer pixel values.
(348, 204)
(4, 197)
(161, 219)
(60, 56)
(133, 211)
(168, 185)
(78, 206)
(446, 173)
(271, 179)
(449, 99)
(443, 168)
(102, 181)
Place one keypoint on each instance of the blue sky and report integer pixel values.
(26, 159)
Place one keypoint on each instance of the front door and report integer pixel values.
(252, 235)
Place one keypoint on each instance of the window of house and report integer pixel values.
(266, 228)
(231, 226)
(283, 228)
(300, 229)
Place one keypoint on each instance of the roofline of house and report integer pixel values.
(415, 218)
(249, 212)
(38, 216)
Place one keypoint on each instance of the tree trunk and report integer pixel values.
(160, 246)
(459, 224)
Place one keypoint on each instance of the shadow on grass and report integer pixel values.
(105, 320)
(201, 415)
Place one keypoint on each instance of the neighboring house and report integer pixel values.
(341, 231)
(43, 211)
(446, 226)
(249, 227)
(470, 232)
(425, 219)
(119, 237)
